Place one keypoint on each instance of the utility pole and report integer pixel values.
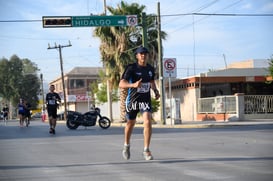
(62, 72)
(160, 66)
(109, 96)
(104, 7)
(144, 29)
(144, 44)
(225, 60)
(43, 96)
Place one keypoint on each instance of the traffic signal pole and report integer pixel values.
(160, 66)
(144, 44)
(59, 47)
(93, 21)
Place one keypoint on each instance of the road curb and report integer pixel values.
(200, 125)
(192, 124)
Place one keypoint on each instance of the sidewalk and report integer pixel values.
(205, 124)
(187, 124)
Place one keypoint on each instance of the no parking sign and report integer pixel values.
(169, 67)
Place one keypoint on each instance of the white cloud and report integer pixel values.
(268, 7)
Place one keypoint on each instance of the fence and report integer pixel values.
(258, 104)
(218, 104)
(253, 106)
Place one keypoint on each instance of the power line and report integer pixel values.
(166, 15)
(205, 6)
(194, 10)
(204, 17)
(19, 21)
(221, 14)
(215, 14)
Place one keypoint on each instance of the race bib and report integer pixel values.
(145, 87)
(51, 102)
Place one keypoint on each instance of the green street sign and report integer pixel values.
(91, 21)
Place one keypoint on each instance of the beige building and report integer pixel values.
(247, 77)
(78, 92)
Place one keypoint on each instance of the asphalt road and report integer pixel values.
(190, 154)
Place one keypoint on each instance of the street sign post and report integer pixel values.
(88, 21)
(169, 70)
(169, 67)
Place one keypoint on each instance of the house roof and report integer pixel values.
(85, 71)
(226, 75)
(81, 72)
(252, 63)
(231, 72)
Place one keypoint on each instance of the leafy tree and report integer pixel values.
(100, 90)
(6, 90)
(29, 67)
(101, 93)
(118, 45)
(18, 79)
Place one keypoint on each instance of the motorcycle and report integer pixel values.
(76, 119)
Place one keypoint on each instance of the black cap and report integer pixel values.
(141, 50)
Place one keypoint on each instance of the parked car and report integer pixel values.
(37, 115)
(60, 115)
(1, 115)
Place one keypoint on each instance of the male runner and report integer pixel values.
(52, 101)
(139, 79)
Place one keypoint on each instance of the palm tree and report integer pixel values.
(271, 66)
(118, 44)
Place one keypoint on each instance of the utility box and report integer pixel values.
(173, 115)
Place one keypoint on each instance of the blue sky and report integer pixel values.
(197, 47)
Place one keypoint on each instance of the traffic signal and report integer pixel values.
(57, 21)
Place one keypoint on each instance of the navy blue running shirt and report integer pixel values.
(51, 100)
(139, 99)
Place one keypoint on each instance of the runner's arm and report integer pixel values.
(153, 86)
(125, 84)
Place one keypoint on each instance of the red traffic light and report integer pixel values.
(57, 21)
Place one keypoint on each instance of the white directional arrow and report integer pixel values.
(121, 22)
